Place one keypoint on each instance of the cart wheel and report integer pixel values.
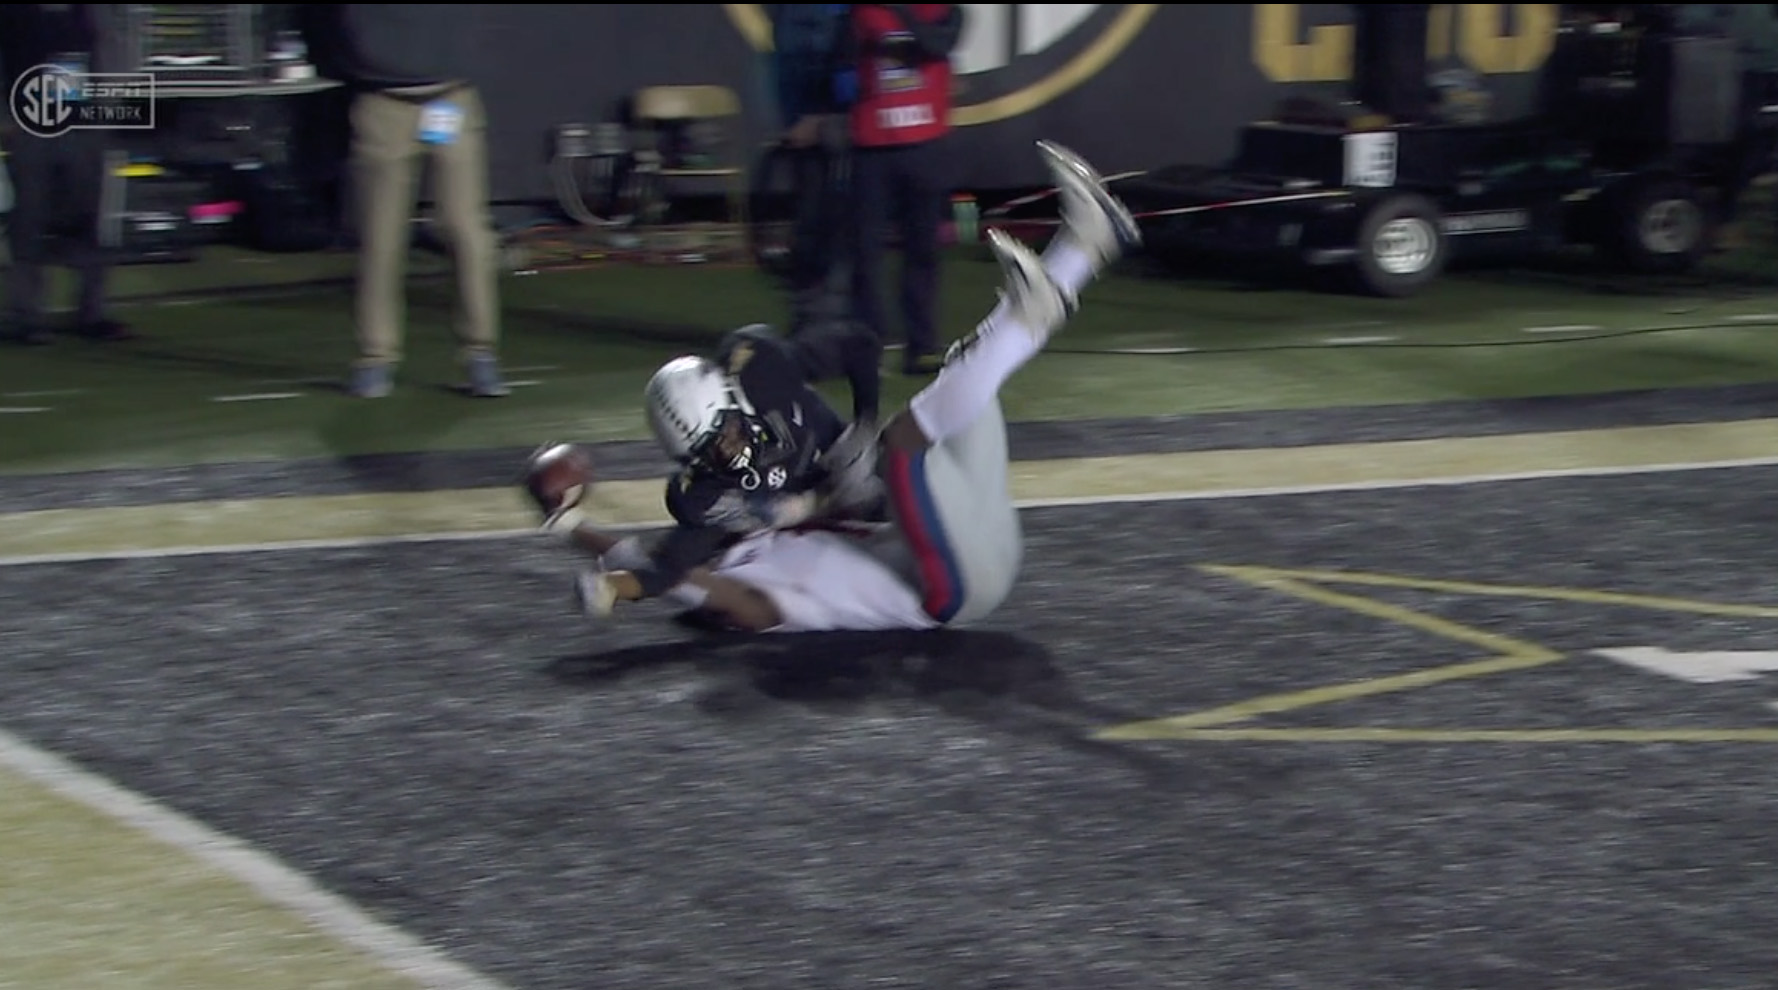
(1401, 246)
(1657, 226)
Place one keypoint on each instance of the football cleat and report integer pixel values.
(1031, 297)
(1096, 219)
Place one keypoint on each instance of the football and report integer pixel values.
(557, 477)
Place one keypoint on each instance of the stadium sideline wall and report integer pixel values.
(1128, 85)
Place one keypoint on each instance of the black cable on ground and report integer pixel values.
(1575, 338)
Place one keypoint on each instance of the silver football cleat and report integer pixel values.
(1032, 298)
(1096, 219)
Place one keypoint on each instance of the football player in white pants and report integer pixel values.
(954, 549)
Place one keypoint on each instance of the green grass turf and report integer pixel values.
(592, 336)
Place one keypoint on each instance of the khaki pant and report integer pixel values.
(386, 156)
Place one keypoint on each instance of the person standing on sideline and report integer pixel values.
(901, 169)
(812, 88)
(408, 67)
(58, 180)
(806, 39)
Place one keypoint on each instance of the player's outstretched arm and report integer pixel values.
(738, 605)
(557, 479)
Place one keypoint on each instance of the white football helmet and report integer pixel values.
(691, 404)
(686, 401)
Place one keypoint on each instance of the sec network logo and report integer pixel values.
(51, 100)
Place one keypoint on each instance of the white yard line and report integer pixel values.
(267, 876)
(257, 397)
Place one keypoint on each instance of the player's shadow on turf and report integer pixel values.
(996, 678)
(844, 667)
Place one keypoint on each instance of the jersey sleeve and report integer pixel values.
(676, 554)
(708, 514)
(757, 353)
(775, 375)
(707, 500)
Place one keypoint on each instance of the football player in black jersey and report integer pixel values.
(760, 468)
(757, 447)
(754, 444)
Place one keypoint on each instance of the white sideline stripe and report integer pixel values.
(22, 410)
(340, 543)
(1199, 495)
(257, 397)
(1755, 318)
(1388, 484)
(48, 393)
(1565, 328)
(267, 876)
(1151, 350)
(1353, 341)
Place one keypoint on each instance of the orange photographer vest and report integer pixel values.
(898, 102)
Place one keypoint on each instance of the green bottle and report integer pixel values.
(965, 218)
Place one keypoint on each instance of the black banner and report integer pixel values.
(1128, 85)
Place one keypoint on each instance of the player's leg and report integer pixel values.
(945, 460)
(1096, 229)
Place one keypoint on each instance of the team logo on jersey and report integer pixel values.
(776, 477)
(1013, 57)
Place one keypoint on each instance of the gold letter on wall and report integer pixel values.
(1488, 49)
(1325, 57)
(1287, 54)
(1438, 32)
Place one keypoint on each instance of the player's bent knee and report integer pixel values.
(964, 534)
(903, 433)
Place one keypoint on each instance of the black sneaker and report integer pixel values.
(24, 334)
(104, 330)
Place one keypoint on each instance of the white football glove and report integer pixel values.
(567, 518)
(596, 593)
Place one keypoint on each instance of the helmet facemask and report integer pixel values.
(733, 446)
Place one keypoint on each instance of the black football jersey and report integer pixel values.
(713, 507)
